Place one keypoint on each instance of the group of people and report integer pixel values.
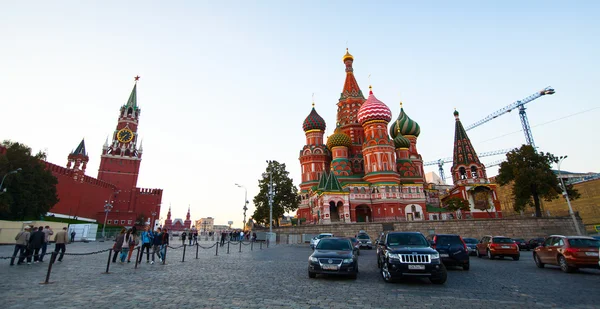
(192, 236)
(128, 240)
(237, 235)
(29, 243)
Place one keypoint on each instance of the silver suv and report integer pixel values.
(364, 240)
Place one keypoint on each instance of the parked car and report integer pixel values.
(453, 250)
(355, 244)
(521, 243)
(497, 246)
(535, 242)
(365, 240)
(596, 237)
(333, 256)
(568, 252)
(408, 254)
(471, 245)
(315, 240)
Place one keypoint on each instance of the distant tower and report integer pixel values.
(77, 161)
(187, 223)
(466, 167)
(314, 156)
(168, 222)
(409, 163)
(378, 149)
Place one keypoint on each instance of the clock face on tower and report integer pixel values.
(125, 135)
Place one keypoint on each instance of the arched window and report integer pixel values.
(413, 208)
(462, 173)
(473, 172)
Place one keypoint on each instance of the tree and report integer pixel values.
(286, 196)
(532, 178)
(141, 219)
(457, 203)
(31, 192)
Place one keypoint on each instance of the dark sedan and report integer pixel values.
(333, 256)
(523, 245)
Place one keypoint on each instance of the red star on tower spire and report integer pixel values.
(137, 78)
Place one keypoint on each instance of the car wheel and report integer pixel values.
(378, 263)
(442, 278)
(490, 255)
(385, 273)
(312, 275)
(564, 266)
(466, 266)
(516, 258)
(537, 260)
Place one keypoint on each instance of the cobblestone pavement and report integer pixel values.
(277, 278)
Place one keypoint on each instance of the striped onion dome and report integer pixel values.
(373, 109)
(313, 121)
(338, 138)
(404, 125)
(401, 141)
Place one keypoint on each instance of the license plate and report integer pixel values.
(442, 255)
(330, 267)
(505, 247)
(591, 253)
(417, 267)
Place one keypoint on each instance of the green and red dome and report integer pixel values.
(313, 121)
(404, 125)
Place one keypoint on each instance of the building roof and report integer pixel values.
(80, 150)
(404, 125)
(351, 89)
(313, 121)
(464, 153)
(373, 109)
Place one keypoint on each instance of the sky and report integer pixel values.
(226, 85)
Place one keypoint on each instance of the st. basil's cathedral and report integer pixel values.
(362, 174)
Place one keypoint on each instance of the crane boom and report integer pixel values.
(518, 104)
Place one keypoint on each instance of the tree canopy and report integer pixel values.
(31, 192)
(457, 203)
(285, 199)
(532, 178)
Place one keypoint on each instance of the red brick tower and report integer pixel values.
(77, 162)
(339, 143)
(188, 222)
(466, 167)
(120, 161)
(409, 163)
(168, 222)
(351, 99)
(314, 156)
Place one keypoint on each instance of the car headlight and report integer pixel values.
(313, 259)
(393, 256)
(347, 261)
(434, 256)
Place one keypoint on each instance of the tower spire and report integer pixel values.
(351, 89)
(465, 163)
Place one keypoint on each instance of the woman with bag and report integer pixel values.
(118, 246)
(127, 239)
(133, 242)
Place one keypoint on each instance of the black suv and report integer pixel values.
(408, 254)
(452, 248)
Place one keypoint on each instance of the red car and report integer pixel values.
(568, 252)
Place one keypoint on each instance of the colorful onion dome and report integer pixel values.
(338, 138)
(373, 109)
(404, 125)
(347, 56)
(401, 141)
(313, 121)
(455, 113)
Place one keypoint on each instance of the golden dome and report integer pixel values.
(347, 56)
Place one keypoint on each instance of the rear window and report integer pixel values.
(363, 236)
(448, 240)
(323, 236)
(502, 240)
(334, 244)
(584, 243)
(471, 240)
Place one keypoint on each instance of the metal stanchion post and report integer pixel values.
(240, 246)
(183, 257)
(52, 258)
(251, 245)
(197, 246)
(217, 250)
(108, 263)
(137, 257)
(228, 247)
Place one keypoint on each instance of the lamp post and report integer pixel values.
(2, 191)
(245, 203)
(571, 213)
(271, 193)
(152, 224)
(107, 207)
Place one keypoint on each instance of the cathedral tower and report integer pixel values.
(77, 161)
(339, 143)
(188, 222)
(314, 156)
(466, 167)
(120, 160)
(409, 163)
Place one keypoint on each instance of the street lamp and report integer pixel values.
(2, 182)
(107, 207)
(559, 161)
(152, 224)
(271, 193)
(245, 203)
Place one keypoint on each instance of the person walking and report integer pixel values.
(183, 235)
(47, 232)
(22, 240)
(195, 237)
(165, 243)
(127, 240)
(36, 240)
(223, 235)
(134, 241)
(61, 243)
(156, 244)
(147, 237)
(118, 246)
(73, 236)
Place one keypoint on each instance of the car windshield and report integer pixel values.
(519, 240)
(584, 243)
(334, 244)
(448, 240)
(502, 240)
(470, 240)
(416, 240)
(363, 236)
(323, 236)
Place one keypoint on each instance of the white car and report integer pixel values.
(315, 240)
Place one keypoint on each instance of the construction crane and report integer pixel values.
(521, 105)
(440, 162)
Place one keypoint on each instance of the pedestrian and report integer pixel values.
(36, 240)
(156, 244)
(22, 240)
(73, 236)
(61, 243)
(125, 248)
(165, 243)
(254, 236)
(191, 237)
(47, 232)
(134, 241)
(118, 246)
(147, 237)
(196, 237)
(183, 238)
(223, 235)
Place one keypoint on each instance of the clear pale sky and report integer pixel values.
(226, 85)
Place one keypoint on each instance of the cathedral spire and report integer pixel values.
(132, 101)
(351, 89)
(466, 164)
(80, 150)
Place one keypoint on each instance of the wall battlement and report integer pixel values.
(59, 170)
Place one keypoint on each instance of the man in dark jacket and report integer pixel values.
(156, 243)
(36, 240)
(165, 243)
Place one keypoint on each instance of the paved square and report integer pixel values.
(277, 278)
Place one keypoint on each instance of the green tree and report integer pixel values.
(32, 191)
(141, 219)
(285, 198)
(457, 203)
(532, 178)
